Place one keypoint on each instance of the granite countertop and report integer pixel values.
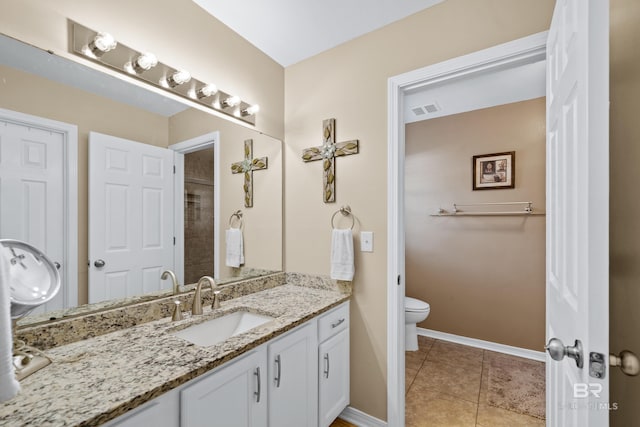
(97, 379)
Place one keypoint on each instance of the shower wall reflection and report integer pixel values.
(198, 215)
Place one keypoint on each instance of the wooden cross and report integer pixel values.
(327, 152)
(247, 166)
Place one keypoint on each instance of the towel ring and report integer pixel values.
(236, 214)
(346, 211)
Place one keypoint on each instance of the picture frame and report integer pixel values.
(495, 171)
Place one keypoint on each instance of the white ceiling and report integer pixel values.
(292, 30)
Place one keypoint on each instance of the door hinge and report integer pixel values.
(174, 169)
(398, 280)
(174, 241)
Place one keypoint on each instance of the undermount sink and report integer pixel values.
(221, 328)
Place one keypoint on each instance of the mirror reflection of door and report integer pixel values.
(32, 195)
(199, 200)
(131, 239)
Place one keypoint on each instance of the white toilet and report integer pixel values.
(415, 311)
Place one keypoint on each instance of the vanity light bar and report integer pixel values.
(104, 49)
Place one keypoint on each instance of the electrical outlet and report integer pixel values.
(366, 241)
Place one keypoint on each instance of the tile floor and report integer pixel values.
(447, 385)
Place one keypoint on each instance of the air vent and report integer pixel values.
(431, 108)
(421, 110)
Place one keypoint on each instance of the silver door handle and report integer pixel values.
(279, 366)
(338, 323)
(557, 350)
(99, 263)
(326, 370)
(627, 361)
(257, 392)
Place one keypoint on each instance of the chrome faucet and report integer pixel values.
(177, 313)
(197, 297)
(168, 273)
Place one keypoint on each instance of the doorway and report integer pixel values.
(199, 201)
(522, 51)
(197, 207)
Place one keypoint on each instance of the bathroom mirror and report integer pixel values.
(35, 83)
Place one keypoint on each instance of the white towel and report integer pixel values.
(235, 247)
(9, 386)
(342, 267)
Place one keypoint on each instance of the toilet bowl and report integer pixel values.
(415, 311)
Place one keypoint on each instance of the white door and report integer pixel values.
(577, 209)
(130, 217)
(32, 193)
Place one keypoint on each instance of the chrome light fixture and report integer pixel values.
(178, 78)
(249, 111)
(144, 62)
(146, 68)
(101, 44)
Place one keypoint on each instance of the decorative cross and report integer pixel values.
(247, 166)
(327, 152)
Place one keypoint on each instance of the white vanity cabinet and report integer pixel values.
(233, 396)
(333, 364)
(293, 383)
(298, 379)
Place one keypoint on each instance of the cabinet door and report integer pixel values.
(234, 396)
(162, 411)
(333, 363)
(293, 384)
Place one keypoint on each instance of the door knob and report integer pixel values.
(99, 263)
(557, 350)
(627, 361)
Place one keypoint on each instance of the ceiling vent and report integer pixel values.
(422, 110)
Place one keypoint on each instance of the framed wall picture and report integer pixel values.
(494, 171)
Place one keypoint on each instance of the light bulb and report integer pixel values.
(231, 101)
(250, 110)
(178, 78)
(206, 91)
(101, 44)
(144, 62)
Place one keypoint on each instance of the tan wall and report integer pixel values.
(349, 83)
(88, 112)
(625, 205)
(263, 222)
(484, 277)
(180, 33)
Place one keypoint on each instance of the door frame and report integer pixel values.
(521, 51)
(70, 188)
(211, 139)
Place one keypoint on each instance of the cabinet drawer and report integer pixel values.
(333, 321)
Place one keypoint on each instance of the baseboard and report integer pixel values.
(360, 419)
(486, 345)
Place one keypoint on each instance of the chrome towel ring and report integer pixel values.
(346, 211)
(237, 214)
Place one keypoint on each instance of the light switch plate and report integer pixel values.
(366, 241)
